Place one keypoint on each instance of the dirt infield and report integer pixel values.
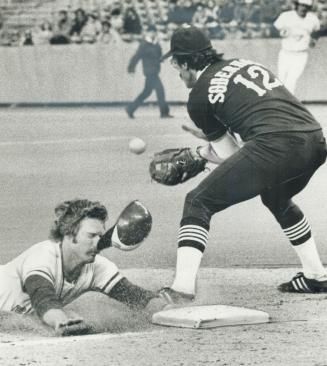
(295, 336)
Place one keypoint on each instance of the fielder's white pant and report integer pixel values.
(291, 65)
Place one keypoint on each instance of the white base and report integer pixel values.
(209, 316)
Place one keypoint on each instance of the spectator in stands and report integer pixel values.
(179, 13)
(116, 20)
(226, 13)
(266, 30)
(43, 33)
(131, 21)
(248, 12)
(105, 13)
(92, 28)
(13, 38)
(201, 17)
(27, 38)
(212, 24)
(213, 6)
(118, 5)
(323, 22)
(213, 9)
(62, 29)
(233, 31)
(4, 36)
(269, 11)
(109, 35)
(149, 51)
(79, 23)
(252, 30)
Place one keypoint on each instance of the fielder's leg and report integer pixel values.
(298, 231)
(244, 175)
(235, 180)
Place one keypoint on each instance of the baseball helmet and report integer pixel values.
(132, 227)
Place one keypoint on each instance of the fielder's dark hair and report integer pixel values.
(199, 60)
(69, 215)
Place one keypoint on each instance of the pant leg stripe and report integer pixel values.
(195, 234)
(198, 233)
(299, 234)
(295, 226)
(192, 238)
(194, 227)
(300, 228)
(302, 240)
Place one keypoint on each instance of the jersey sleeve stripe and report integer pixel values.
(113, 280)
(39, 272)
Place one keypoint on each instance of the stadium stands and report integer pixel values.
(24, 22)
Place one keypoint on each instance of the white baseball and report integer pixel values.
(137, 145)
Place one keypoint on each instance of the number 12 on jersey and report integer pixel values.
(257, 73)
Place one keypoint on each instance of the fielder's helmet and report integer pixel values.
(187, 41)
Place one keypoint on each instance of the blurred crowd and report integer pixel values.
(114, 21)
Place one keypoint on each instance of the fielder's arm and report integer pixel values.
(219, 150)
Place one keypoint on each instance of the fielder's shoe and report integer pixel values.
(129, 112)
(301, 284)
(175, 297)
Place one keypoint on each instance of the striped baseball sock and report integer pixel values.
(305, 247)
(192, 241)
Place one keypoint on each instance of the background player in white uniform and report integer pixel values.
(296, 27)
(52, 273)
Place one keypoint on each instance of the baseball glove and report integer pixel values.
(74, 328)
(174, 166)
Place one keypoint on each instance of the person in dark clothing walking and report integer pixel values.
(149, 51)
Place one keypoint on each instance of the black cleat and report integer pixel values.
(301, 284)
(175, 297)
(129, 112)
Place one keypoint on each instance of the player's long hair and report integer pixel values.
(199, 60)
(69, 215)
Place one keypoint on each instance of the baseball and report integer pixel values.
(137, 145)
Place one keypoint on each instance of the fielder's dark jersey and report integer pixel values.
(243, 97)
